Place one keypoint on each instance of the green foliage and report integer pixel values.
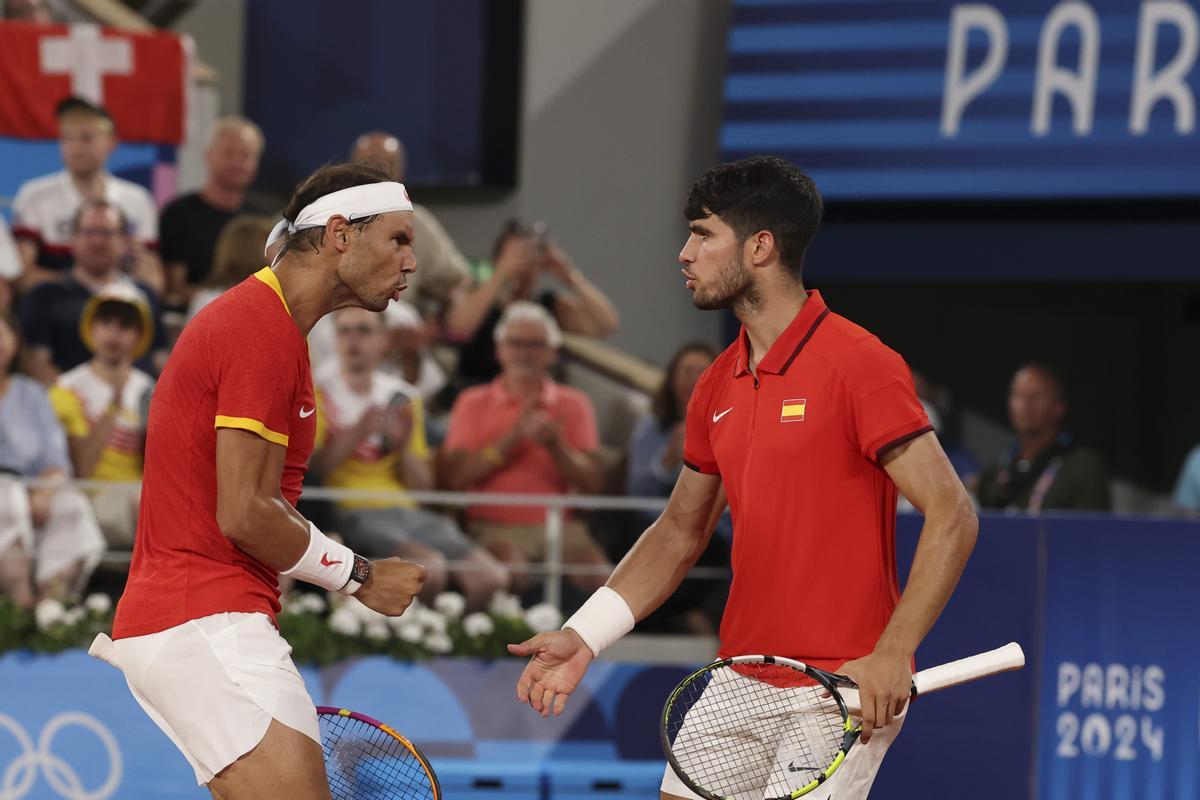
(318, 634)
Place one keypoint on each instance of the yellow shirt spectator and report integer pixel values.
(80, 396)
(373, 465)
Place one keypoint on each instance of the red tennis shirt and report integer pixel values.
(814, 514)
(242, 362)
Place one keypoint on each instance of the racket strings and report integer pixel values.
(754, 730)
(363, 762)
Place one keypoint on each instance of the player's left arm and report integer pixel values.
(923, 474)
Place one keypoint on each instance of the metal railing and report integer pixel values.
(552, 569)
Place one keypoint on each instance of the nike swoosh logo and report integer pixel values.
(325, 562)
(306, 414)
(717, 417)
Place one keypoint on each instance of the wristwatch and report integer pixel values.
(359, 574)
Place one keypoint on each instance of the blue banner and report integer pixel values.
(1120, 685)
(945, 100)
(1107, 708)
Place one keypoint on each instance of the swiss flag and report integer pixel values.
(139, 77)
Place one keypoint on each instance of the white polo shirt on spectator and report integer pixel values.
(45, 206)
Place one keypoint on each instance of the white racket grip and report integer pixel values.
(1002, 659)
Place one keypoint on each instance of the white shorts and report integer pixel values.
(213, 685)
(851, 781)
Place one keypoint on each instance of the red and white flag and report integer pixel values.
(139, 77)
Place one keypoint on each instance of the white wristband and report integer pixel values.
(325, 563)
(603, 619)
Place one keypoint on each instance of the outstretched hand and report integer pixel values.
(558, 661)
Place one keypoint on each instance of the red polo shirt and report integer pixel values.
(814, 514)
(241, 363)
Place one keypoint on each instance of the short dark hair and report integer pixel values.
(327, 180)
(1051, 373)
(665, 405)
(762, 193)
(124, 314)
(78, 106)
(103, 205)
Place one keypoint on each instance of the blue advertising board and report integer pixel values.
(1107, 708)
(947, 100)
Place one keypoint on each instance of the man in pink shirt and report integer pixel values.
(525, 434)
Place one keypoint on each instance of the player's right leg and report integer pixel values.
(286, 765)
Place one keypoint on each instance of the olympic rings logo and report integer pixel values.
(19, 776)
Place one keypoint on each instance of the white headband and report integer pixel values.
(353, 203)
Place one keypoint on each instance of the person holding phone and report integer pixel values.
(371, 435)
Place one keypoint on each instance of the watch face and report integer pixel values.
(362, 569)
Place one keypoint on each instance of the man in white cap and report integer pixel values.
(231, 429)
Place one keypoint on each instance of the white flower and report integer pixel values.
(543, 617)
(313, 603)
(431, 620)
(48, 612)
(437, 642)
(478, 624)
(345, 621)
(505, 605)
(74, 615)
(362, 611)
(377, 630)
(410, 631)
(98, 603)
(452, 604)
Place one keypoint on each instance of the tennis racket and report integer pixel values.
(771, 727)
(367, 760)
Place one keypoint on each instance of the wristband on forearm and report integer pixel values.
(330, 565)
(603, 619)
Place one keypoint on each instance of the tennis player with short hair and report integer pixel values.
(809, 425)
(230, 432)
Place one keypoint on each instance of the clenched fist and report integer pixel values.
(392, 586)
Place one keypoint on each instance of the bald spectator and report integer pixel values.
(1046, 469)
(192, 222)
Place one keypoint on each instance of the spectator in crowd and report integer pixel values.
(1046, 469)
(655, 460)
(523, 254)
(49, 540)
(1187, 489)
(50, 313)
(410, 356)
(103, 404)
(238, 255)
(192, 223)
(523, 433)
(28, 11)
(373, 438)
(45, 207)
(10, 265)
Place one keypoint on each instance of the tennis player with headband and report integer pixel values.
(230, 431)
(809, 425)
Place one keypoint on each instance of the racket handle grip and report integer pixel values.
(1002, 659)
